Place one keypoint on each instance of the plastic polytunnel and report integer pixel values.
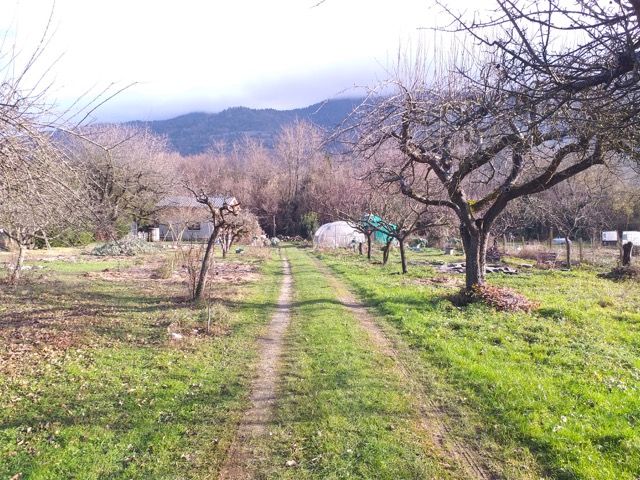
(336, 235)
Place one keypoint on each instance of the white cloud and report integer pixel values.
(215, 53)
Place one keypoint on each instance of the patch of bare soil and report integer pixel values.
(31, 335)
(235, 273)
(445, 281)
(242, 454)
(433, 418)
(135, 273)
(622, 273)
(223, 272)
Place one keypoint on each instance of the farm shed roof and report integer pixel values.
(186, 201)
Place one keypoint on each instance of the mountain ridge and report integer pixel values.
(194, 132)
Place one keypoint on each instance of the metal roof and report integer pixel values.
(189, 201)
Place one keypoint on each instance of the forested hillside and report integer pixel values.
(194, 132)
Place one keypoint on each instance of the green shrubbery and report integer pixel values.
(127, 246)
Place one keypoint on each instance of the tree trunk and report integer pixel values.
(224, 246)
(204, 268)
(15, 274)
(369, 246)
(46, 240)
(385, 253)
(620, 246)
(567, 244)
(550, 238)
(626, 254)
(475, 251)
(360, 248)
(273, 226)
(403, 258)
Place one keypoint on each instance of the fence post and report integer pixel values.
(580, 250)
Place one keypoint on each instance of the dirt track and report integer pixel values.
(465, 458)
(242, 455)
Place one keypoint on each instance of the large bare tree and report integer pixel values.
(529, 115)
(126, 171)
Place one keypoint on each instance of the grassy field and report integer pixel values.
(93, 384)
(343, 411)
(552, 394)
(106, 371)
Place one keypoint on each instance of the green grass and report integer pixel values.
(343, 411)
(555, 393)
(123, 401)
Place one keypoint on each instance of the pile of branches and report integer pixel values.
(622, 273)
(501, 298)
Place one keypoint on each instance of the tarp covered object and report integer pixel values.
(381, 230)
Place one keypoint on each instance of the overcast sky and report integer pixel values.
(198, 55)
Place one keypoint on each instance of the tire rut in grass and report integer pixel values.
(432, 416)
(241, 457)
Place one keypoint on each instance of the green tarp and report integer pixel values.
(373, 223)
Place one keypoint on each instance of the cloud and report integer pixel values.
(290, 91)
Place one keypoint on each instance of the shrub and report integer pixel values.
(528, 253)
(167, 268)
(217, 319)
(127, 246)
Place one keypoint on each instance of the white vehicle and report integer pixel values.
(559, 241)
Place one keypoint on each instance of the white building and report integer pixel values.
(184, 218)
(611, 237)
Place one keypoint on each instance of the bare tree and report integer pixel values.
(243, 225)
(32, 203)
(515, 217)
(39, 187)
(265, 194)
(220, 208)
(126, 172)
(572, 207)
(297, 148)
(404, 217)
(528, 117)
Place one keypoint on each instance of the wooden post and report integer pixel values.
(580, 256)
(567, 243)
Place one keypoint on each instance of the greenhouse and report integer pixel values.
(337, 235)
